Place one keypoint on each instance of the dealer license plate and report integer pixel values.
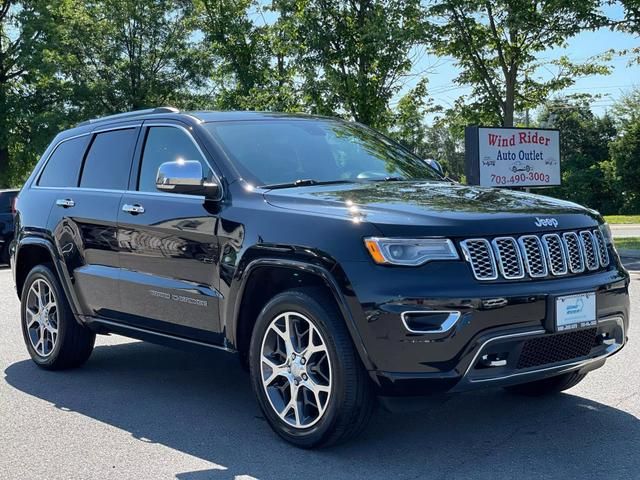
(575, 311)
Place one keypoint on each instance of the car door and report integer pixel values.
(168, 247)
(83, 219)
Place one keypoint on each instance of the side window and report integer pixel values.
(63, 167)
(166, 144)
(108, 161)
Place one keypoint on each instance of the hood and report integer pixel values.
(436, 208)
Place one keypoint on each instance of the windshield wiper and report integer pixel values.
(303, 182)
(387, 179)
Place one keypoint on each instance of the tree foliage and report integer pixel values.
(28, 97)
(588, 175)
(353, 54)
(120, 55)
(497, 46)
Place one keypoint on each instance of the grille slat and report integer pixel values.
(557, 348)
(601, 247)
(508, 258)
(533, 254)
(588, 247)
(479, 254)
(555, 252)
(536, 256)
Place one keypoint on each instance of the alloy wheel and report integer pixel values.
(42, 317)
(296, 370)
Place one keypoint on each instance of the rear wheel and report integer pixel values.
(548, 386)
(54, 338)
(305, 372)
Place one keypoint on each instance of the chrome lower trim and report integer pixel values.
(565, 366)
(446, 326)
(123, 326)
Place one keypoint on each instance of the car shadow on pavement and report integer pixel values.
(201, 404)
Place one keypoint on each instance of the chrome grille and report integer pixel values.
(574, 251)
(478, 253)
(603, 254)
(536, 256)
(555, 253)
(590, 258)
(533, 255)
(508, 258)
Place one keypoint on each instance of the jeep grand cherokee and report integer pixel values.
(336, 264)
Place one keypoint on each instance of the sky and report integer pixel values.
(623, 78)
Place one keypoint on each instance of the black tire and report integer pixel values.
(74, 342)
(548, 386)
(4, 255)
(351, 402)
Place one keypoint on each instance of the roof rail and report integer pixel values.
(135, 113)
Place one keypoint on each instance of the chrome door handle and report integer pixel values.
(65, 203)
(133, 209)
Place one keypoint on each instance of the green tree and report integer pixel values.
(588, 175)
(497, 45)
(26, 94)
(625, 150)
(252, 62)
(120, 55)
(353, 54)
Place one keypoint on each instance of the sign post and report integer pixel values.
(512, 157)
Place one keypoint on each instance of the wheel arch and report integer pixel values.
(32, 251)
(277, 274)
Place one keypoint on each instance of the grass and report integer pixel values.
(622, 219)
(628, 243)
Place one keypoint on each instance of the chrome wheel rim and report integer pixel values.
(41, 317)
(296, 370)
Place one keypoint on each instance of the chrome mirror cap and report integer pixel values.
(186, 177)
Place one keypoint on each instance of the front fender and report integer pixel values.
(314, 263)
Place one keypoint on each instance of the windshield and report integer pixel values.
(272, 152)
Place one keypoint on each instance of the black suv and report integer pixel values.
(7, 198)
(339, 266)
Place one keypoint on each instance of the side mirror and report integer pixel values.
(186, 177)
(435, 165)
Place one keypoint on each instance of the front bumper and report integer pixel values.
(498, 324)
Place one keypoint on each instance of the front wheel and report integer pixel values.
(305, 372)
(548, 386)
(54, 338)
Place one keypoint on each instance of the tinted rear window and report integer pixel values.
(109, 160)
(63, 166)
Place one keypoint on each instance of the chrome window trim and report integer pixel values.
(446, 326)
(593, 247)
(580, 252)
(499, 261)
(153, 123)
(465, 250)
(525, 256)
(564, 253)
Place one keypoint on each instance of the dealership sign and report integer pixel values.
(512, 157)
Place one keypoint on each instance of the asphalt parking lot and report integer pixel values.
(146, 412)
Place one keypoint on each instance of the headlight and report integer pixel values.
(606, 233)
(410, 252)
